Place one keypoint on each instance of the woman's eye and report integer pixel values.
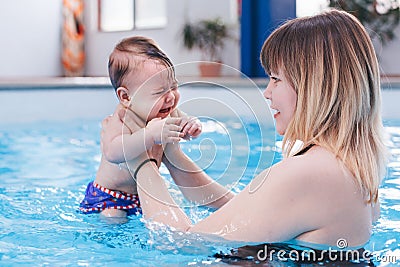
(275, 79)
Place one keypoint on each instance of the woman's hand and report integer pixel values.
(191, 127)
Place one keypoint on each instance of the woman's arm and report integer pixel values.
(274, 211)
(156, 202)
(194, 183)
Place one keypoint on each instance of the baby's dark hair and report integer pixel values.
(120, 60)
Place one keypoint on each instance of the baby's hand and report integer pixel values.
(164, 131)
(191, 127)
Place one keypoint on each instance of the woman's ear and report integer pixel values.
(123, 96)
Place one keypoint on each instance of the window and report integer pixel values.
(127, 15)
(310, 7)
(150, 14)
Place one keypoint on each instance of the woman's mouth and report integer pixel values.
(275, 113)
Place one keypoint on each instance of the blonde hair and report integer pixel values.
(330, 62)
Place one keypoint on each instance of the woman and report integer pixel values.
(325, 90)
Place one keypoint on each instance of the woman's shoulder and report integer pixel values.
(318, 166)
(312, 190)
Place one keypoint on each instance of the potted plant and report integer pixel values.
(380, 17)
(208, 36)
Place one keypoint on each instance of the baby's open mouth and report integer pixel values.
(165, 110)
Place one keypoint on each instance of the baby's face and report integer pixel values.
(156, 91)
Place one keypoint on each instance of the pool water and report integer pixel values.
(45, 167)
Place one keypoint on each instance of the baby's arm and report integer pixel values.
(121, 144)
(113, 133)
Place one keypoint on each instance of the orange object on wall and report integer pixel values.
(73, 41)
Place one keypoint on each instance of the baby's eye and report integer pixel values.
(160, 92)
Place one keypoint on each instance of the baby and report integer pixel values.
(144, 80)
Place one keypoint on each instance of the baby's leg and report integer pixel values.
(113, 213)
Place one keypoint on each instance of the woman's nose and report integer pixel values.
(267, 92)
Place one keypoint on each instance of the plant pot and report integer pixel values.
(209, 69)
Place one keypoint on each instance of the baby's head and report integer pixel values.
(143, 77)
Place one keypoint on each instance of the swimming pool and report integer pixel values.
(47, 160)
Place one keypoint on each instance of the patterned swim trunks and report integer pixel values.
(98, 198)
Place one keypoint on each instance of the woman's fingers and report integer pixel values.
(195, 130)
(191, 128)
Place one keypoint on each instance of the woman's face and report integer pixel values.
(283, 99)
